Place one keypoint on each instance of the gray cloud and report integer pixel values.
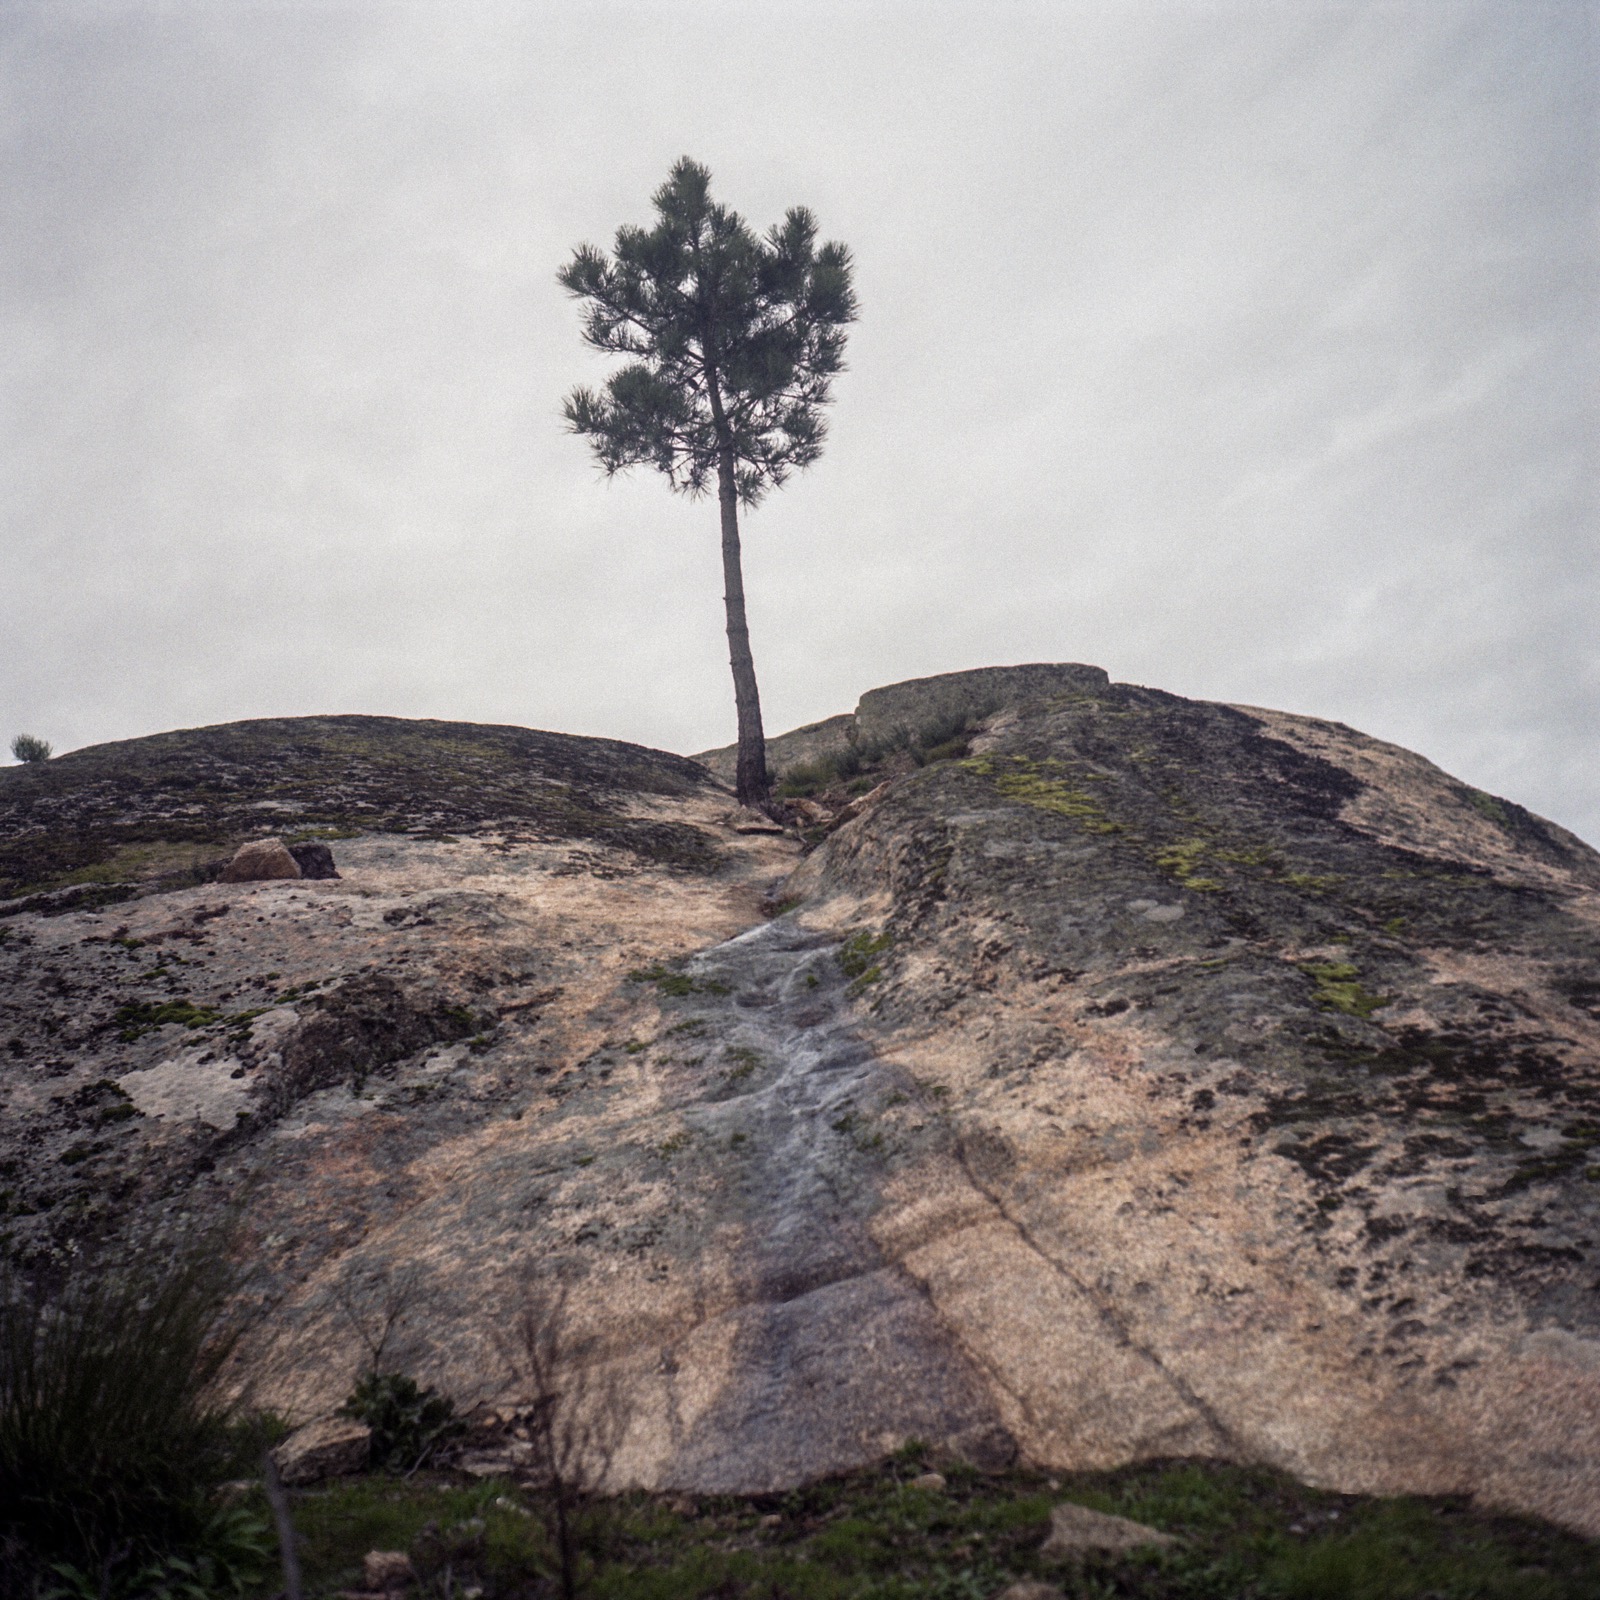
(1240, 349)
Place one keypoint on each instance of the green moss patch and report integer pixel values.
(1182, 860)
(140, 1017)
(1026, 782)
(1338, 989)
(676, 985)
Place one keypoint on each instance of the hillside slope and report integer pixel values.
(1132, 1077)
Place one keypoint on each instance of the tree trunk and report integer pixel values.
(752, 783)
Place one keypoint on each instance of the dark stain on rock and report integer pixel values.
(366, 1024)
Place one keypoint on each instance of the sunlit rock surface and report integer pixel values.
(1146, 1078)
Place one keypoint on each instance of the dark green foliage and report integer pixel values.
(26, 748)
(734, 340)
(410, 1424)
(110, 1450)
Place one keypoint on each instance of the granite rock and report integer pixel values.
(1076, 1530)
(331, 1447)
(260, 860)
(1159, 1078)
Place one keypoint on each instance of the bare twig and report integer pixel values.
(575, 1421)
(375, 1304)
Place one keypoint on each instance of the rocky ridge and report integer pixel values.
(1131, 1077)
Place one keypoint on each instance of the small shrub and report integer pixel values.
(26, 748)
(745, 1061)
(410, 1424)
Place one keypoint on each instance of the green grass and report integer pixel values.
(339, 1524)
(1247, 1534)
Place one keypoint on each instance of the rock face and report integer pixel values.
(1154, 1078)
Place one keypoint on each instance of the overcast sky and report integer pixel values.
(1245, 350)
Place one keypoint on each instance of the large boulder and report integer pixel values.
(260, 860)
(919, 712)
(1154, 1079)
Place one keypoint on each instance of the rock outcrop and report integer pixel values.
(922, 712)
(1132, 1077)
(331, 1447)
(260, 861)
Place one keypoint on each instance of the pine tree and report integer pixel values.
(734, 341)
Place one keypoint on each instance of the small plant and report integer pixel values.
(411, 1424)
(745, 1062)
(28, 749)
(1484, 804)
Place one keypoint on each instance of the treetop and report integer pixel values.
(734, 340)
